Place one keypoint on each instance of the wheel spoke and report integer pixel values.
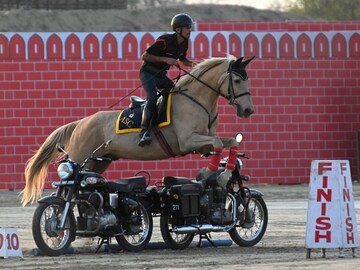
(54, 238)
(49, 239)
(137, 240)
(250, 230)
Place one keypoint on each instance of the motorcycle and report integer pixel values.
(188, 208)
(102, 208)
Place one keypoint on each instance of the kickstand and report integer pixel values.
(104, 240)
(206, 236)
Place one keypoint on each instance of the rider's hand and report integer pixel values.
(171, 61)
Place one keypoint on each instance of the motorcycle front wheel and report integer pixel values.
(137, 229)
(248, 233)
(173, 240)
(51, 240)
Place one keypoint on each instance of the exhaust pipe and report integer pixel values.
(203, 228)
(207, 228)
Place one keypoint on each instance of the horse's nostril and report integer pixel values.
(248, 111)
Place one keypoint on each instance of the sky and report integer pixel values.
(260, 4)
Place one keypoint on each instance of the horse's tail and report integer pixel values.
(36, 169)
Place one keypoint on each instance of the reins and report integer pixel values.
(201, 81)
(231, 93)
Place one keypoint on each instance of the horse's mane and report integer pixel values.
(202, 67)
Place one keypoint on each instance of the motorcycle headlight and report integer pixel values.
(65, 170)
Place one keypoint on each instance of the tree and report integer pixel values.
(326, 9)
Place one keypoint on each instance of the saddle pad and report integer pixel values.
(129, 120)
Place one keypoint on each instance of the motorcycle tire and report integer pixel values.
(173, 240)
(50, 240)
(135, 242)
(249, 234)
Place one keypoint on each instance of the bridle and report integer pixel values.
(231, 96)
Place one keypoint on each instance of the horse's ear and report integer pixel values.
(248, 61)
(239, 60)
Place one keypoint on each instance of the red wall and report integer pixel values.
(304, 84)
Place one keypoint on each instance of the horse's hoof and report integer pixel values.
(203, 174)
(223, 179)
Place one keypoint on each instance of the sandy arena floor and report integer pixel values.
(283, 246)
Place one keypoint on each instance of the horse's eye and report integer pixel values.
(237, 81)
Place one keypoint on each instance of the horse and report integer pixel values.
(194, 119)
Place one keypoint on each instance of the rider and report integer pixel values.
(157, 59)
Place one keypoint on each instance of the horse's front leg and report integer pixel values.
(212, 167)
(200, 143)
(229, 142)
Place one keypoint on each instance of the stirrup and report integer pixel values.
(145, 139)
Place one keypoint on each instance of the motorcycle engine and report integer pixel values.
(219, 214)
(92, 215)
(100, 221)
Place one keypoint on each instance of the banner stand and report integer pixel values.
(323, 250)
(331, 219)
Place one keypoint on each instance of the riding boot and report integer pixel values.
(145, 137)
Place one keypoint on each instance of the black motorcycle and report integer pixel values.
(188, 208)
(102, 208)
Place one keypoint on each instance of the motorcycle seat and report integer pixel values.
(135, 183)
(176, 180)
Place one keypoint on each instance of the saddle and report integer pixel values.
(129, 120)
(136, 102)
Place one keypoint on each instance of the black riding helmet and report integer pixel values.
(181, 20)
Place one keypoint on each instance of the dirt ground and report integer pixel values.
(283, 246)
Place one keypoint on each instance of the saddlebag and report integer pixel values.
(189, 197)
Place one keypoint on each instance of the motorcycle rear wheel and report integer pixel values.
(135, 242)
(173, 240)
(48, 238)
(248, 235)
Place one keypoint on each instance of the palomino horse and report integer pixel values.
(194, 120)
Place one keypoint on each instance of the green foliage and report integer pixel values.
(326, 9)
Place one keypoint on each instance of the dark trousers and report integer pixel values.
(152, 81)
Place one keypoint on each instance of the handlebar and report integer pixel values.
(61, 148)
(243, 155)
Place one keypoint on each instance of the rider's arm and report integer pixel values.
(150, 58)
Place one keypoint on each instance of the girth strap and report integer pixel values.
(163, 142)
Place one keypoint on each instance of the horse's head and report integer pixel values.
(234, 87)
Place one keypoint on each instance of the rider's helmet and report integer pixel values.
(181, 20)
